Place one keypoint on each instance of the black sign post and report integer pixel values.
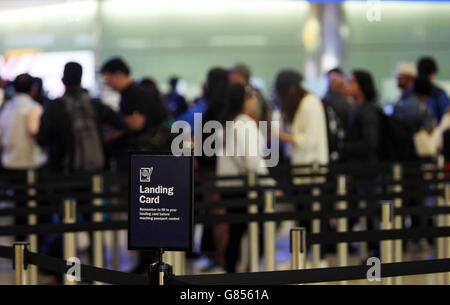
(161, 207)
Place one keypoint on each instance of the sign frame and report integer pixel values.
(191, 197)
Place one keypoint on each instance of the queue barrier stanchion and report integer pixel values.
(269, 232)
(398, 220)
(387, 220)
(32, 221)
(447, 202)
(298, 248)
(97, 188)
(179, 263)
(69, 237)
(363, 246)
(19, 264)
(342, 248)
(315, 223)
(253, 227)
(440, 241)
(160, 272)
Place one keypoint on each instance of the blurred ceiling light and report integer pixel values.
(311, 34)
(329, 61)
(72, 11)
(152, 6)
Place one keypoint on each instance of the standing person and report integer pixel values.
(304, 116)
(335, 97)
(241, 74)
(19, 124)
(245, 138)
(439, 100)
(143, 113)
(338, 111)
(174, 100)
(362, 140)
(406, 74)
(71, 127)
(71, 130)
(413, 110)
(363, 134)
(211, 107)
(303, 113)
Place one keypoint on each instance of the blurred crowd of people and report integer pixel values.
(77, 133)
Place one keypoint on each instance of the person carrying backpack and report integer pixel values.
(71, 127)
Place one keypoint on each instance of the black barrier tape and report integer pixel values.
(309, 215)
(317, 238)
(65, 195)
(42, 229)
(376, 235)
(6, 252)
(86, 272)
(321, 275)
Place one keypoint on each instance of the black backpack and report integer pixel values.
(335, 133)
(396, 139)
(87, 150)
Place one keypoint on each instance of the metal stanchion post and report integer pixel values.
(69, 237)
(253, 229)
(269, 232)
(32, 221)
(447, 202)
(179, 258)
(387, 219)
(363, 246)
(398, 220)
(97, 188)
(315, 223)
(19, 265)
(342, 248)
(440, 241)
(298, 248)
(160, 272)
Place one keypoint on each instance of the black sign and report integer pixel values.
(161, 202)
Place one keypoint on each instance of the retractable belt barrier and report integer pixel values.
(87, 272)
(317, 275)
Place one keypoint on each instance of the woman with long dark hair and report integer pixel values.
(245, 141)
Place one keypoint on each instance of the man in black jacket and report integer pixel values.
(56, 130)
(362, 137)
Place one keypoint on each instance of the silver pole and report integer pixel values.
(253, 230)
(298, 248)
(19, 262)
(178, 259)
(363, 246)
(342, 248)
(315, 223)
(69, 237)
(387, 218)
(447, 201)
(269, 232)
(398, 220)
(97, 188)
(440, 241)
(32, 221)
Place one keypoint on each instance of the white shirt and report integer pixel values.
(250, 159)
(309, 130)
(19, 147)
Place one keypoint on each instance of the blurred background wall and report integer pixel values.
(186, 38)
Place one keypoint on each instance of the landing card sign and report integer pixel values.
(161, 202)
